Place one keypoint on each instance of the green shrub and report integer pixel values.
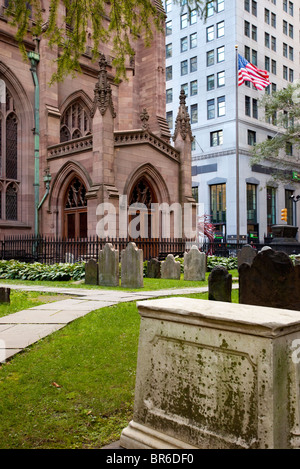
(23, 271)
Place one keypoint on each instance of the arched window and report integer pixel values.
(141, 197)
(75, 210)
(75, 122)
(9, 184)
(11, 202)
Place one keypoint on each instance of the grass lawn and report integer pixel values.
(149, 283)
(20, 300)
(75, 388)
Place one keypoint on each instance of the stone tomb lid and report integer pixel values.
(248, 319)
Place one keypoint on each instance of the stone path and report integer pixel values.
(21, 329)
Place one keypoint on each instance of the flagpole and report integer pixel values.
(237, 150)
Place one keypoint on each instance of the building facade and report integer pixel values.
(241, 200)
(68, 149)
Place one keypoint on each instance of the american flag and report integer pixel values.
(248, 72)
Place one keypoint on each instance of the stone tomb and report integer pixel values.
(108, 266)
(213, 375)
(4, 295)
(153, 268)
(132, 267)
(194, 264)
(91, 272)
(246, 255)
(170, 268)
(272, 280)
(219, 284)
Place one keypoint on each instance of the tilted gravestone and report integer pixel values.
(246, 255)
(108, 266)
(91, 272)
(194, 264)
(132, 267)
(4, 295)
(170, 268)
(220, 284)
(272, 280)
(153, 268)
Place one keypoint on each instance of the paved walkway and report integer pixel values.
(21, 329)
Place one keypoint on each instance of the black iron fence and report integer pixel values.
(49, 250)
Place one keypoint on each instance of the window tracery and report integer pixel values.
(9, 185)
(75, 122)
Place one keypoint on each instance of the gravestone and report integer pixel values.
(194, 264)
(220, 284)
(69, 258)
(91, 272)
(272, 280)
(108, 266)
(4, 295)
(246, 255)
(153, 268)
(132, 267)
(170, 268)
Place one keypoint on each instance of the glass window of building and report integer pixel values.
(168, 28)
(169, 117)
(194, 113)
(221, 29)
(183, 21)
(210, 82)
(216, 138)
(251, 204)
(184, 67)
(210, 109)
(221, 54)
(194, 87)
(193, 64)
(221, 106)
(220, 5)
(168, 51)
(169, 95)
(221, 79)
(271, 208)
(169, 73)
(193, 40)
(210, 58)
(210, 33)
(218, 203)
(184, 44)
(289, 205)
(251, 137)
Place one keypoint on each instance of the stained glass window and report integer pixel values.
(8, 159)
(75, 122)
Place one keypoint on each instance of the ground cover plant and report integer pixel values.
(75, 388)
(13, 269)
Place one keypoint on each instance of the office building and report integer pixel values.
(243, 201)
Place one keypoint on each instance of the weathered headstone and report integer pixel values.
(69, 258)
(132, 267)
(108, 266)
(272, 280)
(246, 255)
(91, 272)
(220, 284)
(153, 268)
(4, 295)
(170, 268)
(194, 264)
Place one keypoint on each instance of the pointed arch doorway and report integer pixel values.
(140, 219)
(75, 210)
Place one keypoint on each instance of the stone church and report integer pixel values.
(68, 148)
